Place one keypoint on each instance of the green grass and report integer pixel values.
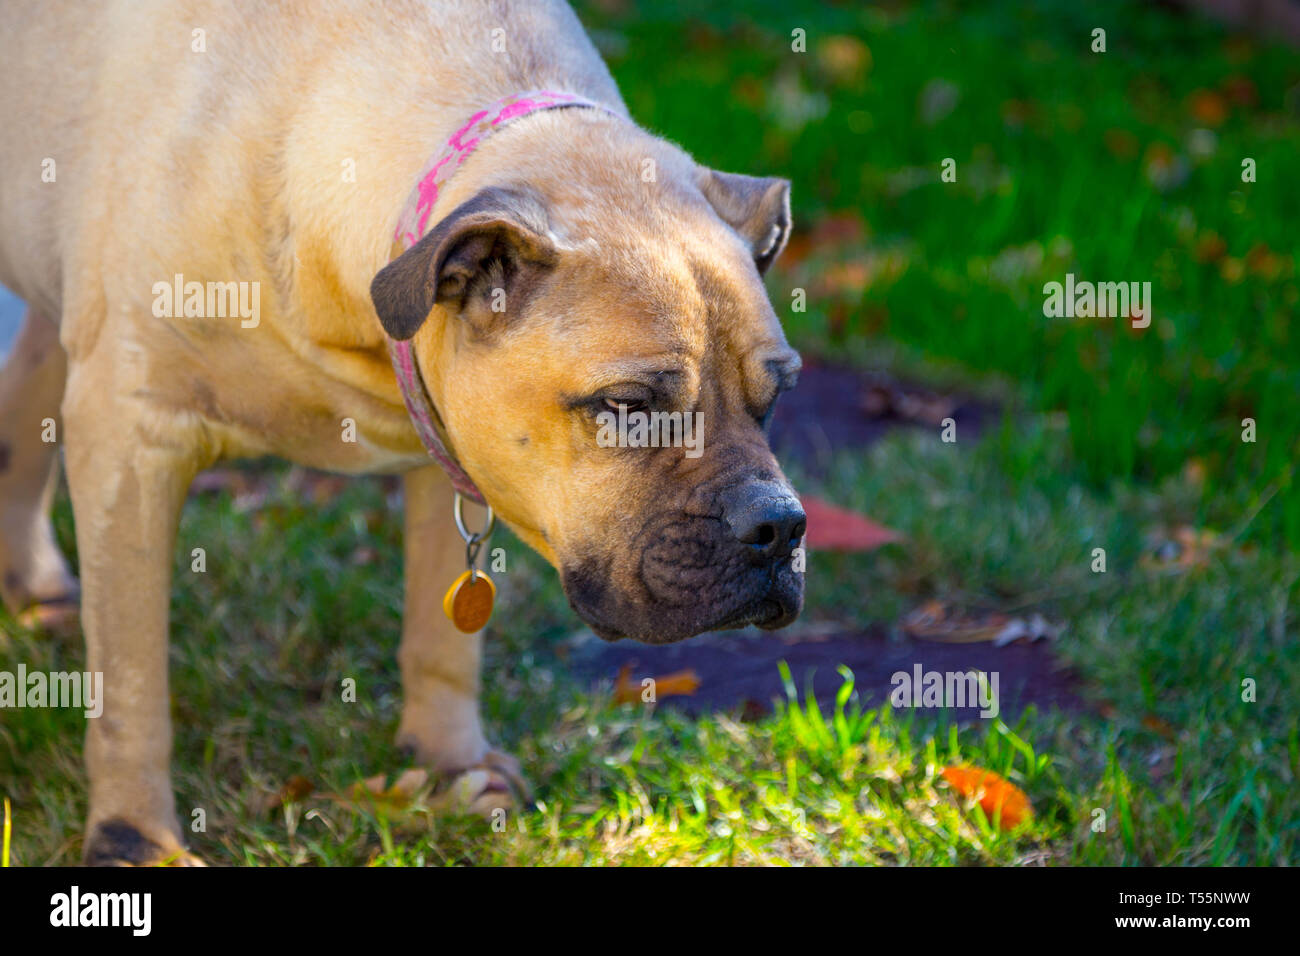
(1092, 454)
(1184, 770)
(958, 268)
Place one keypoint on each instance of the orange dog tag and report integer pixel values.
(469, 601)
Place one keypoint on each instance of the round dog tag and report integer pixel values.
(469, 601)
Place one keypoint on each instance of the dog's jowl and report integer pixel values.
(372, 213)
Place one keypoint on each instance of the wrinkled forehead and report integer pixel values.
(698, 300)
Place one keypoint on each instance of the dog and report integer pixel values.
(569, 264)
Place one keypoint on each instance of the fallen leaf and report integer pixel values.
(1210, 247)
(1263, 262)
(1194, 472)
(1232, 270)
(889, 400)
(677, 684)
(837, 529)
(844, 278)
(1182, 549)
(1208, 107)
(1240, 90)
(1159, 725)
(376, 791)
(296, 789)
(846, 58)
(935, 621)
(995, 795)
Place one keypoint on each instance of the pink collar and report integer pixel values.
(414, 223)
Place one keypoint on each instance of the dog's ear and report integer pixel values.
(495, 241)
(757, 208)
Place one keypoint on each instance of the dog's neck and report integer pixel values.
(415, 221)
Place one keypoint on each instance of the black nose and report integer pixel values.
(767, 517)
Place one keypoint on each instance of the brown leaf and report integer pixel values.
(296, 789)
(935, 621)
(1208, 107)
(1160, 726)
(376, 792)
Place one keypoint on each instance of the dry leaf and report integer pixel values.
(677, 684)
(935, 621)
(375, 791)
(1184, 549)
(1208, 107)
(885, 399)
(1160, 726)
(993, 793)
(836, 529)
(846, 58)
(296, 789)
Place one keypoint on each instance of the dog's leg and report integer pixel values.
(440, 665)
(34, 578)
(128, 469)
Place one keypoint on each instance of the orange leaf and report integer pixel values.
(1208, 107)
(992, 792)
(677, 684)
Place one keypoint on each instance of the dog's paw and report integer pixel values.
(117, 843)
(494, 783)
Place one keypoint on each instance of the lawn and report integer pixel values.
(1117, 166)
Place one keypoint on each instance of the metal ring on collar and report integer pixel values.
(465, 533)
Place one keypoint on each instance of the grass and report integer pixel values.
(1110, 441)
(1116, 166)
(1185, 772)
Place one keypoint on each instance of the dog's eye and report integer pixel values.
(628, 404)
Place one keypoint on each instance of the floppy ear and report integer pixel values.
(757, 208)
(495, 240)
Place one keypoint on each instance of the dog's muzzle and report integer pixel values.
(698, 572)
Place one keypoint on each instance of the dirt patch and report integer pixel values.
(836, 407)
(738, 670)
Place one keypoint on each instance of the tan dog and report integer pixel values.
(214, 140)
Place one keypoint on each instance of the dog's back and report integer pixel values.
(114, 114)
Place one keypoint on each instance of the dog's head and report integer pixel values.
(605, 359)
